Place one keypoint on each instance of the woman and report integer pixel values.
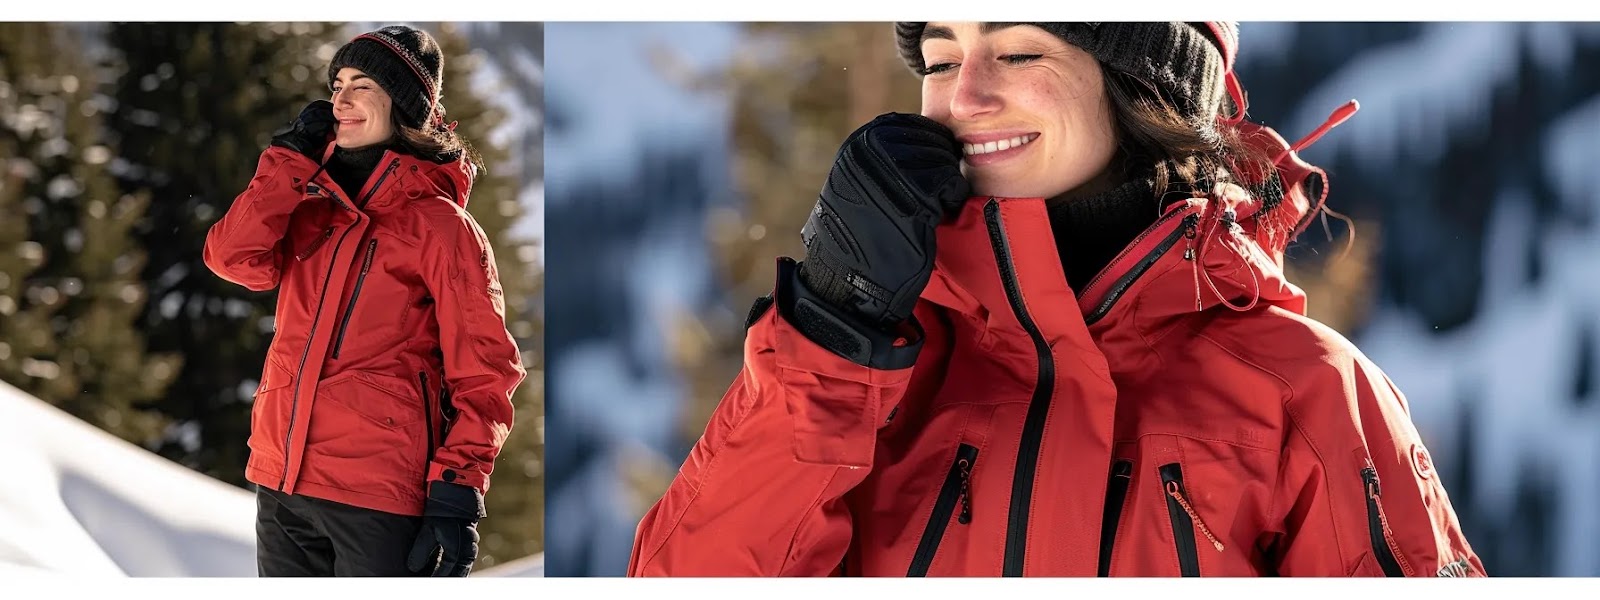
(386, 393)
(1043, 329)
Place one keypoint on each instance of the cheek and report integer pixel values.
(935, 103)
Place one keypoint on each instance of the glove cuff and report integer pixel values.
(454, 501)
(840, 332)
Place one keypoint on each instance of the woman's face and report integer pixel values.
(362, 109)
(1029, 109)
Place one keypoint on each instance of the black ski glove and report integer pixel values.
(308, 133)
(450, 529)
(870, 239)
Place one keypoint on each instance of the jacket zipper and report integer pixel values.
(393, 164)
(1184, 521)
(350, 309)
(365, 263)
(1038, 407)
(957, 488)
(299, 376)
(427, 418)
(317, 243)
(1127, 279)
(1378, 526)
(1116, 494)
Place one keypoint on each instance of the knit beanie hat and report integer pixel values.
(406, 63)
(1187, 62)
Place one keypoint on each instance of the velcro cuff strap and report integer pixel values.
(838, 331)
(454, 501)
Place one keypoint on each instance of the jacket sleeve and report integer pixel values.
(243, 247)
(1358, 492)
(762, 491)
(482, 364)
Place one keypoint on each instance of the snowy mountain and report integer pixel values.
(79, 501)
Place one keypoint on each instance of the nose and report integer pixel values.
(341, 99)
(977, 90)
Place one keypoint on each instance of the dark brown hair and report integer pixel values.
(434, 142)
(1186, 157)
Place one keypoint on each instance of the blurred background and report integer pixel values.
(120, 145)
(684, 157)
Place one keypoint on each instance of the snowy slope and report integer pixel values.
(79, 501)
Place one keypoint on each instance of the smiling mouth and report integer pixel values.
(998, 145)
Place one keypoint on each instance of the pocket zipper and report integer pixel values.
(316, 243)
(1378, 525)
(1184, 521)
(957, 488)
(366, 265)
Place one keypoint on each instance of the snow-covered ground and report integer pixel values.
(78, 501)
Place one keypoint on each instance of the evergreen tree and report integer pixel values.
(72, 338)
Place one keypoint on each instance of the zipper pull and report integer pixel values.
(1177, 494)
(965, 466)
(1370, 476)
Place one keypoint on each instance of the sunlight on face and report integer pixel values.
(362, 108)
(1030, 110)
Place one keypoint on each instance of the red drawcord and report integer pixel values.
(1172, 490)
(1339, 116)
(1233, 229)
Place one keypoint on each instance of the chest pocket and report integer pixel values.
(1184, 507)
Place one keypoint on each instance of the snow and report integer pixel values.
(79, 501)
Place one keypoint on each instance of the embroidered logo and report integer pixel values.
(1421, 461)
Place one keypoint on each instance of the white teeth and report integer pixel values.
(996, 146)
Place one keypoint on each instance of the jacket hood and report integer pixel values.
(452, 179)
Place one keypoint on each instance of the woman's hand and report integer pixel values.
(308, 133)
(870, 240)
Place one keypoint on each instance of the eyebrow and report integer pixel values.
(355, 77)
(940, 32)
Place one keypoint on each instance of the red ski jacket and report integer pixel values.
(1180, 416)
(391, 365)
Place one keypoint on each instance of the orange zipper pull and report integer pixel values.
(1172, 490)
(966, 492)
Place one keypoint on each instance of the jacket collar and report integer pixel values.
(410, 177)
(1222, 250)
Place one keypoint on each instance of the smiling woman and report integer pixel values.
(386, 394)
